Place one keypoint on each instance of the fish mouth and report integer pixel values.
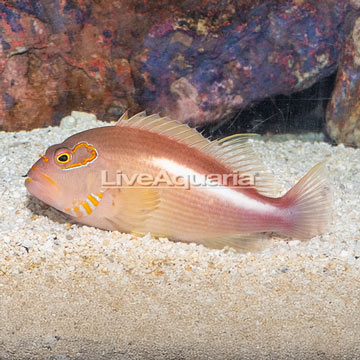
(41, 186)
(36, 175)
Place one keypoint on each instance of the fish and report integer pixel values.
(152, 174)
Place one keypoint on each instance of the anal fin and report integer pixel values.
(244, 243)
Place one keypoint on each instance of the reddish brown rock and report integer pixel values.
(57, 57)
(198, 61)
(343, 112)
(202, 70)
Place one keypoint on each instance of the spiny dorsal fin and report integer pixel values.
(234, 151)
(123, 117)
(167, 127)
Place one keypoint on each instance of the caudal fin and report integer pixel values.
(309, 205)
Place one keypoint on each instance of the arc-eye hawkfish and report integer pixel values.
(197, 198)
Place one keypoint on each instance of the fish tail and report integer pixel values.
(308, 205)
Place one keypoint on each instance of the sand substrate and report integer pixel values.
(75, 292)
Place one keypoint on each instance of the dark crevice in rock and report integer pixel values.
(299, 112)
(26, 50)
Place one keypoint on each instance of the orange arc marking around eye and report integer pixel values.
(86, 161)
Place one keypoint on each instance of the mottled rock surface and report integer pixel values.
(343, 112)
(58, 56)
(199, 61)
(214, 69)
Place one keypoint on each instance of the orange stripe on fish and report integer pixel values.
(45, 158)
(49, 179)
(46, 177)
(86, 161)
(93, 200)
(82, 208)
(77, 210)
(87, 208)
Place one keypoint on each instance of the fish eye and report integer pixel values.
(63, 158)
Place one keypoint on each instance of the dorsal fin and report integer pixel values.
(167, 127)
(233, 151)
(123, 117)
(236, 153)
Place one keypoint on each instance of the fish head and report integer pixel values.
(65, 175)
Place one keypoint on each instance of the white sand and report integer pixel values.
(75, 292)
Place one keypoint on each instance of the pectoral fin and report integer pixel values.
(132, 206)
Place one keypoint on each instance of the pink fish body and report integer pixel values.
(153, 174)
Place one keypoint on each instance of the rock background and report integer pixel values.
(216, 69)
(343, 112)
(198, 61)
